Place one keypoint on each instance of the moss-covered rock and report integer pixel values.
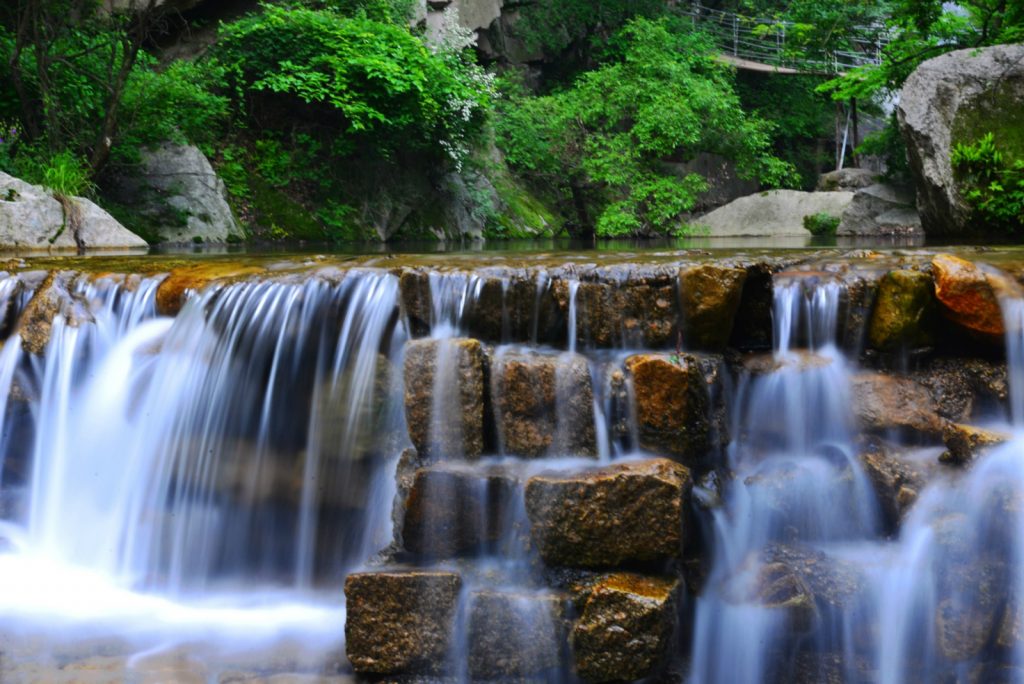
(444, 396)
(543, 405)
(709, 295)
(400, 622)
(632, 512)
(625, 629)
(515, 634)
(967, 297)
(672, 406)
(904, 315)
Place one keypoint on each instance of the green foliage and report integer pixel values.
(393, 11)
(992, 182)
(553, 26)
(374, 83)
(821, 223)
(610, 142)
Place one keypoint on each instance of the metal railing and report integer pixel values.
(764, 41)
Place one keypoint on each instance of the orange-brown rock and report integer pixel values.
(963, 442)
(709, 295)
(890, 402)
(604, 517)
(181, 283)
(672, 405)
(51, 299)
(515, 634)
(967, 297)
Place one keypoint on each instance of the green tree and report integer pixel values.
(612, 143)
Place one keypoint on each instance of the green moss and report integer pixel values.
(525, 216)
(282, 217)
(999, 111)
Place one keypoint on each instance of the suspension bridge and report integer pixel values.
(773, 46)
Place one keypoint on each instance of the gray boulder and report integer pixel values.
(957, 97)
(880, 209)
(178, 194)
(31, 218)
(846, 179)
(771, 214)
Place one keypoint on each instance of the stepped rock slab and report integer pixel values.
(444, 396)
(671, 400)
(619, 314)
(400, 622)
(904, 311)
(632, 512)
(451, 509)
(709, 296)
(544, 405)
(625, 628)
(515, 635)
(967, 297)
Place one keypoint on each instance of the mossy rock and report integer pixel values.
(904, 315)
(281, 216)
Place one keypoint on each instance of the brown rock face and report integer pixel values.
(181, 283)
(414, 291)
(624, 631)
(963, 442)
(904, 311)
(400, 622)
(631, 512)
(966, 297)
(613, 314)
(710, 296)
(889, 402)
(896, 482)
(444, 396)
(671, 404)
(544, 405)
(51, 299)
(451, 509)
(515, 635)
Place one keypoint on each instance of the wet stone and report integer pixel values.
(544, 405)
(414, 292)
(614, 314)
(625, 628)
(894, 403)
(515, 634)
(965, 442)
(967, 297)
(182, 283)
(672, 405)
(452, 508)
(444, 396)
(896, 481)
(400, 622)
(632, 512)
(904, 315)
(52, 298)
(709, 296)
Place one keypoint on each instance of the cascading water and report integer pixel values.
(796, 492)
(200, 473)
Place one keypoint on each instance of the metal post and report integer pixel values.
(735, 36)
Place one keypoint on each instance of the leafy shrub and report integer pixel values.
(821, 223)
(991, 181)
(612, 142)
(62, 173)
(374, 83)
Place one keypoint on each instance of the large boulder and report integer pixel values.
(176, 193)
(544, 405)
(881, 210)
(851, 179)
(400, 622)
(629, 512)
(709, 296)
(625, 629)
(775, 213)
(957, 98)
(671, 404)
(32, 218)
(967, 297)
(444, 396)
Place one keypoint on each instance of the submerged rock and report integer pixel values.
(444, 396)
(52, 298)
(709, 295)
(904, 311)
(515, 634)
(967, 297)
(400, 622)
(625, 628)
(672, 406)
(543, 405)
(888, 402)
(452, 509)
(632, 512)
